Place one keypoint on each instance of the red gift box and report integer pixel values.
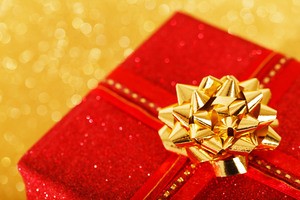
(108, 146)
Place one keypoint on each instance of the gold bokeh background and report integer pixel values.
(53, 52)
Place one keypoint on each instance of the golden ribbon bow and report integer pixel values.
(221, 121)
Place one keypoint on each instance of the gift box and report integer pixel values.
(108, 147)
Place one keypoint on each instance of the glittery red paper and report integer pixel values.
(99, 151)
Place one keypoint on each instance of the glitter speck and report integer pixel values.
(181, 43)
(106, 180)
(95, 166)
(98, 98)
(148, 174)
(137, 59)
(201, 26)
(120, 128)
(258, 51)
(129, 176)
(37, 189)
(173, 23)
(200, 36)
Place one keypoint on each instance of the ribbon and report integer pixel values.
(221, 122)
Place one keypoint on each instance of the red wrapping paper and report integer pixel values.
(108, 147)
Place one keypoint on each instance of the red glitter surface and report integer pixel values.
(98, 151)
(176, 54)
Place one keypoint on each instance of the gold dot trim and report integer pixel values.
(110, 81)
(288, 176)
(273, 169)
(118, 85)
(273, 71)
(126, 91)
(173, 187)
(143, 100)
(166, 194)
(132, 94)
(180, 180)
(187, 172)
(266, 80)
(282, 61)
(258, 162)
(277, 67)
(152, 105)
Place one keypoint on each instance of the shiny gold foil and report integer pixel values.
(221, 122)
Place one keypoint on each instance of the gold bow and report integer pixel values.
(221, 121)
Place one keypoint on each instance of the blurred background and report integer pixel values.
(53, 52)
